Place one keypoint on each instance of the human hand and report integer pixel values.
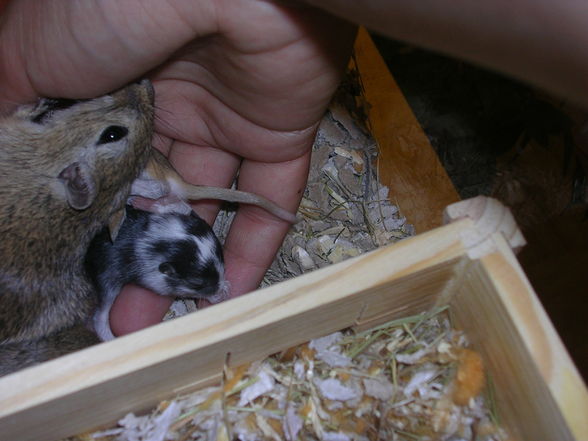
(240, 85)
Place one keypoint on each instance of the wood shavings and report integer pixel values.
(301, 256)
(264, 384)
(419, 382)
(379, 388)
(333, 389)
(134, 428)
(328, 351)
(345, 211)
(293, 424)
(296, 395)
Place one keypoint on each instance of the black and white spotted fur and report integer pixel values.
(172, 254)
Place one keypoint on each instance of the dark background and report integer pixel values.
(501, 138)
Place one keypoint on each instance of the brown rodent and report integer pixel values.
(160, 181)
(66, 167)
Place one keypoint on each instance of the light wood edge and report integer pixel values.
(493, 284)
(539, 336)
(407, 162)
(524, 405)
(490, 216)
(159, 357)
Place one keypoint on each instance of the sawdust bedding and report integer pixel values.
(413, 379)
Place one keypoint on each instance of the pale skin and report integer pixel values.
(242, 84)
(542, 42)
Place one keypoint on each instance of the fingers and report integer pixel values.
(255, 235)
(204, 166)
(136, 308)
(84, 49)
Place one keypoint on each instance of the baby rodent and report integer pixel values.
(171, 254)
(66, 167)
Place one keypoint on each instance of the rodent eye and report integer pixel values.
(112, 134)
(167, 269)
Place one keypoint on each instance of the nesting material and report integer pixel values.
(409, 379)
(345, 211)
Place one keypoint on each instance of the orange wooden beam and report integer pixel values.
(408, 165)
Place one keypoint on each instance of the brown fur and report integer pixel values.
(47, 224)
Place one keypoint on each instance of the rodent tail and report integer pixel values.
(198, 192)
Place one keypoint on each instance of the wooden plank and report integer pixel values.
(408, 165)
(539, 391)
(98, 385)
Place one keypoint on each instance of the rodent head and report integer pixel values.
(180, 256)
(73, 161)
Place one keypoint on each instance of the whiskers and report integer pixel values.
(223, 293)
(161, 141)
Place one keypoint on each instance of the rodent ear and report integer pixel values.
(116, 221)
(79, 185)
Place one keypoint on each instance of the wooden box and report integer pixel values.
(467, 264)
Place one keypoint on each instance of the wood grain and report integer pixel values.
(101, 384)
(408, 165)
(539, 392)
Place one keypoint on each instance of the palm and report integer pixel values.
(255, 98)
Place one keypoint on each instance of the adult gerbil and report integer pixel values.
(160, 181)
(171, 254)
(66, 167)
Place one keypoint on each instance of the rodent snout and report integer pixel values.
(148, 89)
(222, 294)
(139, 94)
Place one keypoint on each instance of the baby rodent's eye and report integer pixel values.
(112, 134)
(167, 269)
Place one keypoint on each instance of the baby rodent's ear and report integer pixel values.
(116, 221)
(80, 188)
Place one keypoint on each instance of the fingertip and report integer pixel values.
(136, 308)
